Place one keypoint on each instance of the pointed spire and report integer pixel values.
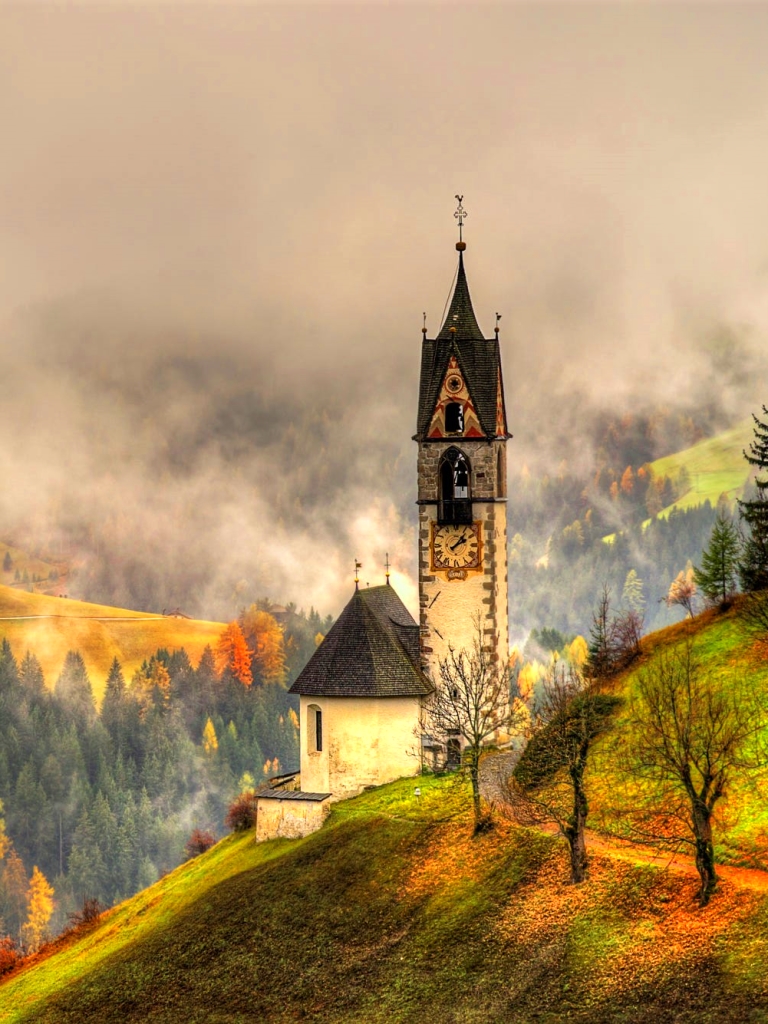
(460, 323)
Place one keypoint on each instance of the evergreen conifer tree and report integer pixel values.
(753, 565)
(31, 674)
(719, 561)
(9, 670)
(113, 707)
(74, 687)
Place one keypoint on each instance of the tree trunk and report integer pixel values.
(474, 774)
(705, 854)
(574, 831)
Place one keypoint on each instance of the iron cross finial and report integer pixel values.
(460, 214)
(386, 567)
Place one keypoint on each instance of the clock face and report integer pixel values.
(456, 547)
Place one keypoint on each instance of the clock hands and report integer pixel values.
(462, 540)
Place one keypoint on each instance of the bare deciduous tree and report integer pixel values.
(548, 783)
(690, 736)
(471, 701)
(614, 640)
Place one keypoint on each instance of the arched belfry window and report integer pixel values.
(455, 505)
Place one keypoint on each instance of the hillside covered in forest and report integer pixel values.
(103, 779)
(395, 910)
(572, 532)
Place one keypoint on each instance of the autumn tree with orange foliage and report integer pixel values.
(40, 904)
(266, 641)
(233, 655)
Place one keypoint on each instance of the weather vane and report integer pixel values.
(386, 567)
(424, 324)
(498, 317)
(460, 215)
(358, 567)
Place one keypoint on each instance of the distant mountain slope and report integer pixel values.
(20, 568)
(714, 467)
(51, 626)
(393, 913)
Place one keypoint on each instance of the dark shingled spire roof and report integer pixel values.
(372, 650)
(479, 360)
(461, 316)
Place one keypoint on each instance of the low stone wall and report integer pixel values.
(286, 815)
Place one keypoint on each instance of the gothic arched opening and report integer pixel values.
(455, 504)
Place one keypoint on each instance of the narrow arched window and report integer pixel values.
(455, 504)
(314, 729)
(454, 418)
(501, 473)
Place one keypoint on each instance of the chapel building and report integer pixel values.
(361, 698)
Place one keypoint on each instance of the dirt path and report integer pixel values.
(752, 878)
(635, 853)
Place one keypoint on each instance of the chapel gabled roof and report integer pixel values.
(372, 650)
(479, 359)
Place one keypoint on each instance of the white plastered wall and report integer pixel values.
(367, 741)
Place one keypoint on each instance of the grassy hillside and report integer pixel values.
(715, 466)
(393, 913)
(741, 820)
(51, 626)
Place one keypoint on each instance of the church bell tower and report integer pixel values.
(462, 485)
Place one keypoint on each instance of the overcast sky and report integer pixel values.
(219, 227)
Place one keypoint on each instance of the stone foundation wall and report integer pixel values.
(289, 819)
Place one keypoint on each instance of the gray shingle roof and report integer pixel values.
(292, 794)
(478, 357)
(372, 650)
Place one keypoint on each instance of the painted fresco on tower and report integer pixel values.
(461, 419)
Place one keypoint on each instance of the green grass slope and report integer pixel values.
(715, 466)
(51, 626)
(726, 655)
(393, 913)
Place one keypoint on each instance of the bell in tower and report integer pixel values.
(462, 436)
